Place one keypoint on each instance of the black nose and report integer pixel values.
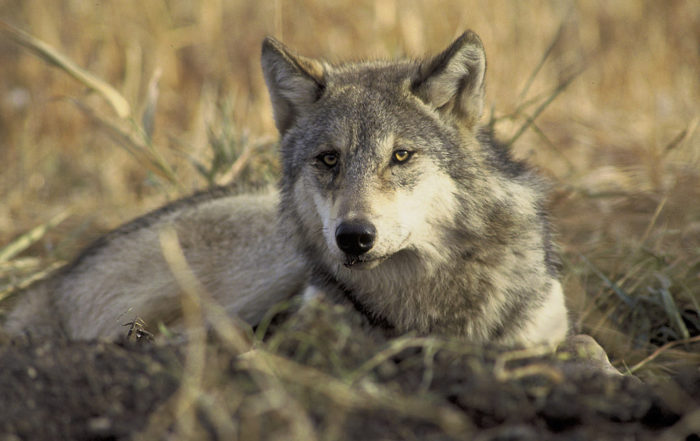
(355, 237)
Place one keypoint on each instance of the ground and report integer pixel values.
(343, 382)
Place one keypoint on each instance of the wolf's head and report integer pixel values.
(372, 151)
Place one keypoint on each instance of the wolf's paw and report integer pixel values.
(583, 351)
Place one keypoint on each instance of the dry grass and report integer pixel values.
(620, 144)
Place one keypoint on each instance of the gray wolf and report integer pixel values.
(392, 199)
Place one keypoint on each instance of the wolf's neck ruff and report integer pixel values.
(325, 277)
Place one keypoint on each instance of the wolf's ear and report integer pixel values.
(293, 81)
(453, 81)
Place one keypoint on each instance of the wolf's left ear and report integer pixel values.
(294, 82)
(453, 81)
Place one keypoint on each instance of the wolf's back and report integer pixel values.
(232, 245)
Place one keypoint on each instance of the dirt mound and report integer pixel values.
(323, 377)
(78, 390)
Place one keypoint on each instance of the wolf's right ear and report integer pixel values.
(294, 82)
(453, 81)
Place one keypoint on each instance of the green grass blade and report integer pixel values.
(7, 291)
(30, 237)
(674, 315)
(612, 285)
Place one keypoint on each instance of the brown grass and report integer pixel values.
(620, 144)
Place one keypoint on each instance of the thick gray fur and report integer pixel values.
(462, 244)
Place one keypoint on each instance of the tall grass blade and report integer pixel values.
(652, 222)
(674, 316)
(8, 291)
(149, 111)
(683, 135)
(555, 93)
(52, 56)
(30, 237)
(537, 69)
(145, 154)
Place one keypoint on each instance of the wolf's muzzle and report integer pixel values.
(355, 237)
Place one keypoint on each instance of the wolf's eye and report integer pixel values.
(329, 159)
(401, 156)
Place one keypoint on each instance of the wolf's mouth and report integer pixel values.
(364, 261)
(360, 262)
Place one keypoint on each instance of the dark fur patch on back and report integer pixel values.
(499, 155)
(152, 217)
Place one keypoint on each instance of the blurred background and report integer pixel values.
(601, 96)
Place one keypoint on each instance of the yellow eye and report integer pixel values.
(400, 156)
(329, 159)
